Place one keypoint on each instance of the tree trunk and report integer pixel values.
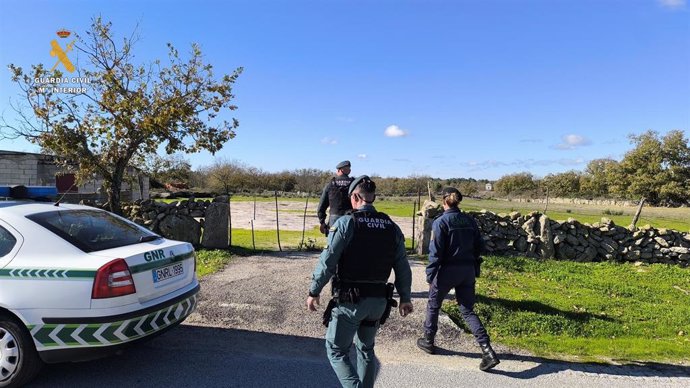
(115, 189)
(114, 197)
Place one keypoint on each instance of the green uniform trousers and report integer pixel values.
(344, 327)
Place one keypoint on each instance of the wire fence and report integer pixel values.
(289, 223)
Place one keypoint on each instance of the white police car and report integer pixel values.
(77, 283)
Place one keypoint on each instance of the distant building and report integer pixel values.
(30, 169)
(489, 187)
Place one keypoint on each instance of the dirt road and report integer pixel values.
(267, 294)
(252, 329)
(290, 216)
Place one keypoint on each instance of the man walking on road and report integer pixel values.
(363, 247)
(335, 197)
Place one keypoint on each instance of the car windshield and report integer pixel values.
(92, 230)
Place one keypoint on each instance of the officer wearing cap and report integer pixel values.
(453, 263)
(335, 197)
(363, 247)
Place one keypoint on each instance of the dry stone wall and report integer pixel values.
(185, 220)
(536, 235)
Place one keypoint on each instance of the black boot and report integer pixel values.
(489, 358)
(426, 343)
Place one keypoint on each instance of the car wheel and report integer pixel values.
(19, 361)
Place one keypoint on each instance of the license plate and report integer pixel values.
(165, 273)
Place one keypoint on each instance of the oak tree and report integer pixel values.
(128, 109)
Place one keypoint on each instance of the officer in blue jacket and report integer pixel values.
(363, 247)
(453, 256)
(334, 197)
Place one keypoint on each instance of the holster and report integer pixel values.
(390, 303)
(329, 311)
(478, 266)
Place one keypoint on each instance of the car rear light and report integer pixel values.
(113, 279)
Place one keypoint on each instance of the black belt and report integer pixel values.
(371, 290)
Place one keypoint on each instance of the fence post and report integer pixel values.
(229, 221)
(277, 223)
(253, 243)
(637, 214)
(304, 222)
(414, 211)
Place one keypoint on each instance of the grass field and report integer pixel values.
(585, 311)
(671, 218)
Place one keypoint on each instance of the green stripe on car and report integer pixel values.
(58, 335)
(72, 274)
(46, 273)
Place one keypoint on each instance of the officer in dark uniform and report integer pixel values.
(335, 197)
(363, 247)
(453, 263)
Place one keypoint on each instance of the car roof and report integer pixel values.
(24, 208)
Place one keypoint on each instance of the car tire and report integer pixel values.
(19, 361)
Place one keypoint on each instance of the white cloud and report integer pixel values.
(362, 156)
(672, 4)
(395, 131)
(329, 140)
(570, 142)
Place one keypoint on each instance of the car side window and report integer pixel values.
(7, 241)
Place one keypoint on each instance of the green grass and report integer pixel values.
(268, 239)
(585, 311)
(209, 261)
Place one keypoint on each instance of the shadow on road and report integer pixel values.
(195, 356)
(547, 366)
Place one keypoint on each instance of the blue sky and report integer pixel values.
(443, 88)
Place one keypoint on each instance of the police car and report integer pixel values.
(77, 283)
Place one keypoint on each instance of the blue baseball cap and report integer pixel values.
(359, 180)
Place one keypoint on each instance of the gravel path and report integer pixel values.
(266, 294)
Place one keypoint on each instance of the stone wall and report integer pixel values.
(535, 235)
(185, 220)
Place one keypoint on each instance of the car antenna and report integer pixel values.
(63, 194)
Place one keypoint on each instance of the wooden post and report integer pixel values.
(253, 243)
(414, 212)
(547, 200)
(304, 222)
(254, 207)
(277, 223)
(428, 187)
(637, 214)
(229, 221)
